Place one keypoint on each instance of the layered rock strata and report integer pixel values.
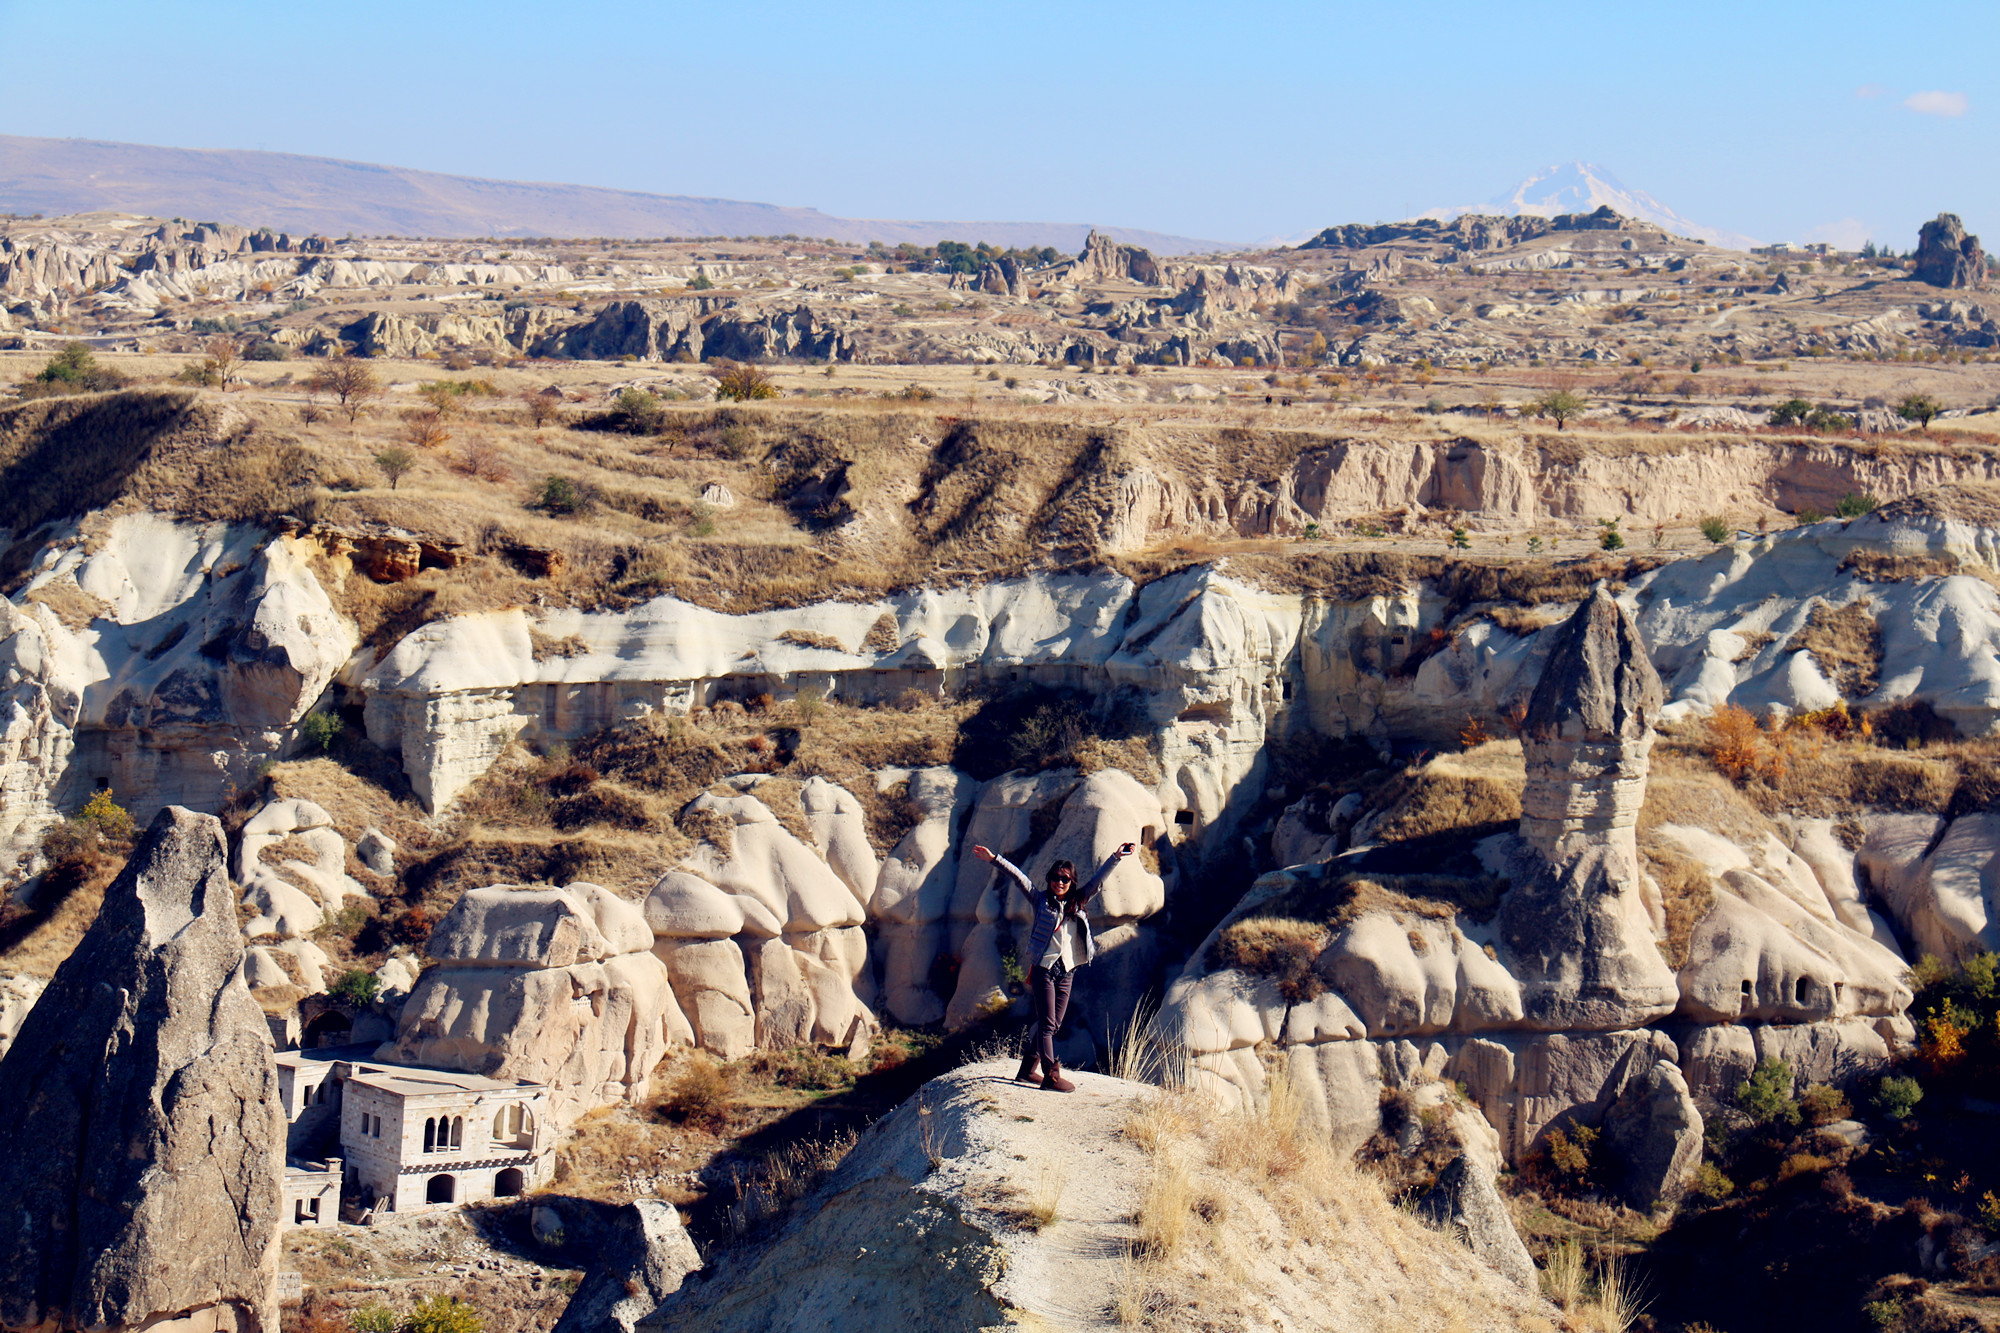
(142, 1102)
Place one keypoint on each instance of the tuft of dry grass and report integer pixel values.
(1281, 948)
(1846, 646)
(1476, 789)
(700, 1093)
(1045, 1199)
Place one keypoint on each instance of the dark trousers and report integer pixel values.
(1048, 989)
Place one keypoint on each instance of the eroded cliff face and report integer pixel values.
(165, 660)
(1561, 1005)
(143, 1107)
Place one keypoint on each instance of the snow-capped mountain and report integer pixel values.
(1581, 187)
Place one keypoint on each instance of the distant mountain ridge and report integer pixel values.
(290, 192)
(1583, 187)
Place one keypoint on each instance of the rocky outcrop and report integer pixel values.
(1947, 256)
(142, 1101)
(1106, 260)
(209, 643)
(1575, 926)
(1655, 1129)
(920, 1227)
(639, 1255)
(1466, 1203)
(554, 986)
(291, 896)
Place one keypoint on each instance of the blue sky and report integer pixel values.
(1234, 122)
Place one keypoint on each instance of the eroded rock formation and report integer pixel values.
(1947, 256)
(141, 1103)
(554, 986)
(1574, 923)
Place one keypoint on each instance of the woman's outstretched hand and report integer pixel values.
(1128, 848)
(983, 853)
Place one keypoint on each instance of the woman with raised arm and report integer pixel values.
(1060, 944)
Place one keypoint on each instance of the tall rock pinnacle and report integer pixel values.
(1574, 921)
(140, 1108)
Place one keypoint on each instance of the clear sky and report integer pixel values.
(1238, 121)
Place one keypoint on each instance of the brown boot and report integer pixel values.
(1055, 1082)
(1027, 1072)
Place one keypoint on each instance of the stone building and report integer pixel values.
(406, 1138)
(426, 1138)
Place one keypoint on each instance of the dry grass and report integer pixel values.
(1044, 1204)
(1846, 645)
(1281, 948)
(1479, 788)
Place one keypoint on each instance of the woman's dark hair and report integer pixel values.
(1061, 866)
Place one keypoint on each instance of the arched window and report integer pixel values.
(514, 1126)
(440, 1189)
(458, 1131)
(508, 1183)
(430, 1135)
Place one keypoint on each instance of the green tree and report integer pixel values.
(357, 986)
(1766, 1096)
(1610, 538)
(395, 462)
(1560, 405)
(1920, 408)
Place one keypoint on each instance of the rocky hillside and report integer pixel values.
(984, 1203)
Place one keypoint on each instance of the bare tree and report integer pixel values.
(426, 428)
(542, 407)
(225, 360)
(350, 383)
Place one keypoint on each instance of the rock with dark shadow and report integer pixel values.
(139, 1108)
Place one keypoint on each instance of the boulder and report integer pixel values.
(717, 496)
(1655, 1128)
(1466, 1202)
(640, 1253)
(144, 1082)
(377, 851)
(1946, 256)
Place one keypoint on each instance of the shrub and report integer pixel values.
(1854, 504)
(1822, 1105)
(373, 1318)
(1611, 539)
(318, 731)
(107, 816)
(442, 1314)
(266, 351)
(1715, 530)
(1737, 746)
(1766, 1096)
(560, 495)
(1710, 1183)
(75, 370)
(741, 382)
(700, 1095)
(1807, 516)
(541, 407)
(357, 986)
(426, 429)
